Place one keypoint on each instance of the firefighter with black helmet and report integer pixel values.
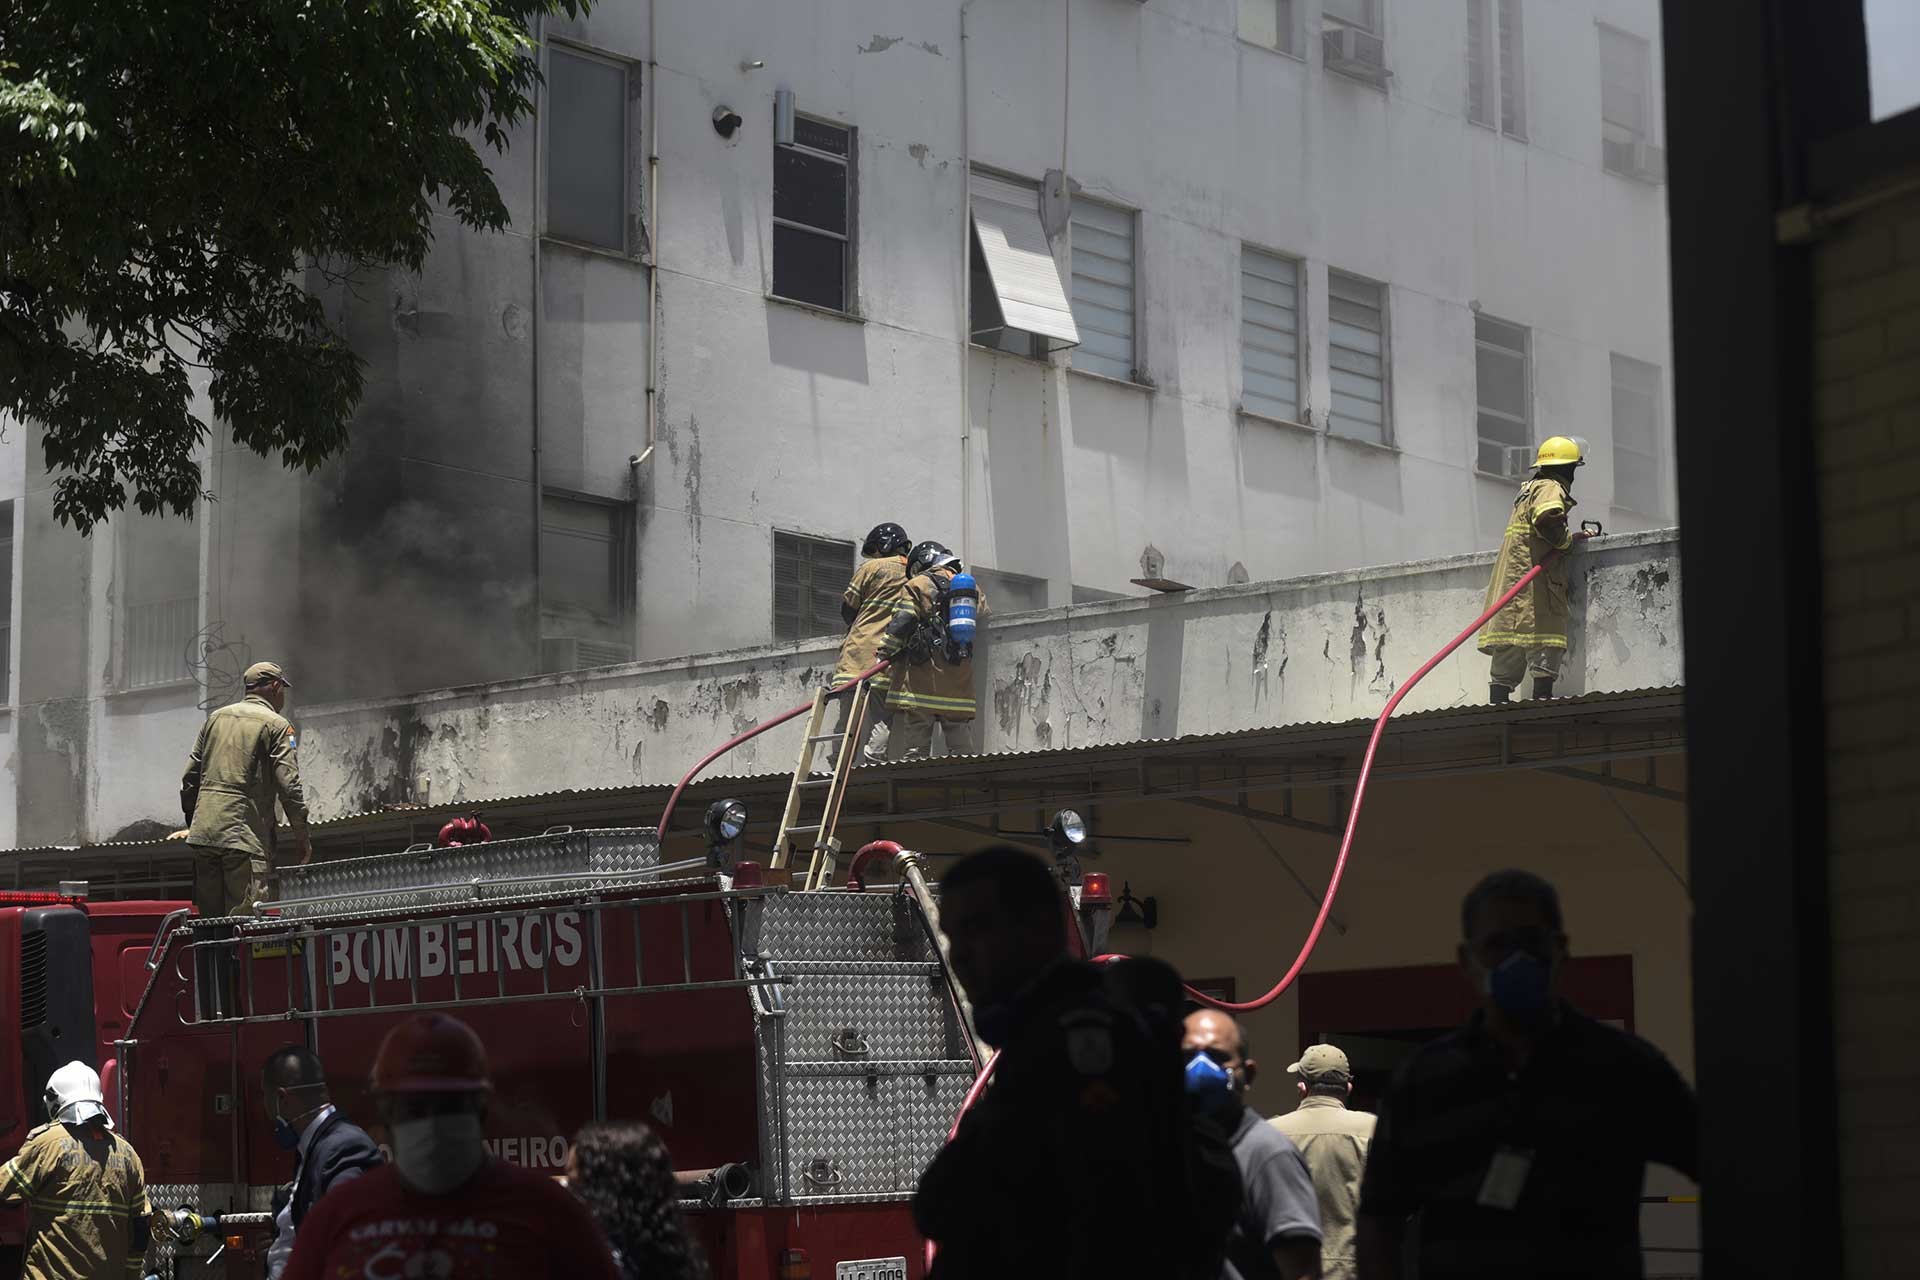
(933, 675)
(867, 606)
(86, 1192)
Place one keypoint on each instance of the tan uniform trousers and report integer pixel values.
(227, 882)
(911, 737)
(1512, 661)
(874, 732)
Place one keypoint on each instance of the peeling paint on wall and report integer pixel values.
(880, 44)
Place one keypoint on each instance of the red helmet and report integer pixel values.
(431, 1053)
(464, 831)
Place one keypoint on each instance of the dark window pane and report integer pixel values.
(579, 545)
(821, 137)
(586, 150)
(810, 268)
(809, 189)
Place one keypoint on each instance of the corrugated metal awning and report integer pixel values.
(1026, 280)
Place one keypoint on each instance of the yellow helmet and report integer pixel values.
(1560, 451)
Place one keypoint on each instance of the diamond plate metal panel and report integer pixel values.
(876, 1125)
(927, 1108)
(435, 877)
(846, 1127)
(218, 1196)
(890, 1015)
(838, 926)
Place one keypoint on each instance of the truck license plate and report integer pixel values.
(872, 1269)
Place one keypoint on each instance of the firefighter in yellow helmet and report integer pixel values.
(86, 1193)
(1530, 634)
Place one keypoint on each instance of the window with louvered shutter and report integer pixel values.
(1269, 335)
(1496, 77)
(1503, 386)
(159, 595)
(813, 216)
(6, 601)
(1268, 23)
(809, 575)
(1357, 358)
(585, 116)
(1624, 73)
(1636, 435)
(1103, 242)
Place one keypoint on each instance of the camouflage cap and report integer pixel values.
(261, 672)
(1321, 1062)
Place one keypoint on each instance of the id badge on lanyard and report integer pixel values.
(1506, 1179)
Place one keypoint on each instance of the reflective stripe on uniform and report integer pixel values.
(1523, 639)
(13, 1184)
(932, 702)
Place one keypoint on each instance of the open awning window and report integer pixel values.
(1020, 269)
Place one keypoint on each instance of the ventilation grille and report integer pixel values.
(33, 980)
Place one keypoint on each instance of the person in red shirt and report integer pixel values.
(445, 1207)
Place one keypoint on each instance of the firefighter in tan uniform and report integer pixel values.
(867, 606)
(85, 1190)
(932, 679)
(1530, 634)
(243, 762)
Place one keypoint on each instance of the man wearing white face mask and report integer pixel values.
(445, 1207)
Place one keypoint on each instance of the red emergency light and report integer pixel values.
(37, 898)
(748, 875)
(1096, 890)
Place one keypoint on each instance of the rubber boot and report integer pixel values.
(1499, 693)
(1542, 688)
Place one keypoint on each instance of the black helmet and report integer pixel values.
(887, 539)
(929, 556)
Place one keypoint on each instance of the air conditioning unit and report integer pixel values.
(1634, 158)
(1649, 162)
(571, 653)
(1354, 52)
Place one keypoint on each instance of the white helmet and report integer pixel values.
(74, 1096)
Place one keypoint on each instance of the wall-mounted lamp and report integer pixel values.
(1141, 913)
(752, 64)
(725, 121)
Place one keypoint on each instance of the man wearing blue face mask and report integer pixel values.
(1518, 1144)
(1276, 1234)
(328, 1148)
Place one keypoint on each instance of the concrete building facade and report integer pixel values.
(1327, 265)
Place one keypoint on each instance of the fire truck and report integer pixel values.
(800, 1045)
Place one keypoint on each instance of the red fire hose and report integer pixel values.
(666, 814)
(1359, 794)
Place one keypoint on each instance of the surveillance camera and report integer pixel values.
(725, 121)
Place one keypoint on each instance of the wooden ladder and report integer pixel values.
(825, 845)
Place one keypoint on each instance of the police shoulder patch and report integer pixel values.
(1089, 1042)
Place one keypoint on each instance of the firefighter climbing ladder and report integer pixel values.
(825, 845)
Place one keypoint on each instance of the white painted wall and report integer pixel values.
(773, 417)
(767, 409)
(1335, 648)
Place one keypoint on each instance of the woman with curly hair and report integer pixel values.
(625, 1175)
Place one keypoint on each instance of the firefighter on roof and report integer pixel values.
(932, 668)
(867, 606)
(242, 761)
(85, 1191)
(1530, 634)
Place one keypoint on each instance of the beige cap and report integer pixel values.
(1321, 1061)
(260, 672)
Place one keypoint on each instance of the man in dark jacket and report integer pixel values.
(1077, 1160)
(328, 1149)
